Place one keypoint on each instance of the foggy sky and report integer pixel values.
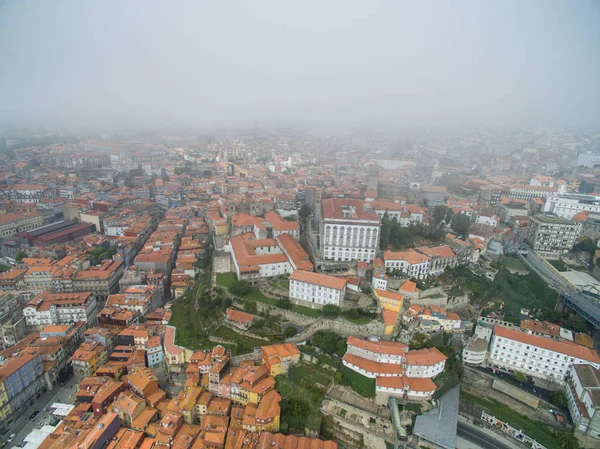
(391, 63)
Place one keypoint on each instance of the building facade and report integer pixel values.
(350, 230)
(552, 236)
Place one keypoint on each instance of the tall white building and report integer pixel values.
(350, 230)
(588, 159)
(536, 356)
(568, 205)
(316, 289)
(552, 236)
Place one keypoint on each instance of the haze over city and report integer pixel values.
(376, 63)
(299, 225)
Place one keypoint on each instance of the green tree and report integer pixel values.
(418, 340)
(305, 211)
(337, 377)
(20, 256)
(566, 438)
(461, 224)
(558, 398)
(441, 213)
(520, 377)
(250, 306)
(290, 332)
(588, 245)
(331, 311)
(240, 288)
(285, 304)
(299, 408)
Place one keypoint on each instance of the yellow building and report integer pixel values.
(266, 416)
(5, 410)
(389, 300)
(280, 357)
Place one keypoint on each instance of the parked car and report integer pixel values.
(34, 414)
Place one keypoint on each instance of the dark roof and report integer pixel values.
(438, 425)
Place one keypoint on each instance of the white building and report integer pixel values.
(398, 371)
(527, 192)
(475, 352)
(552, 236)
(588, 159)
(536, 356)
(583, 397)
(487, 219)
(568, 205)
(380, 282)
(255, 259)
(410, 262)
(316, 289)
(350, 230)
(59, 308)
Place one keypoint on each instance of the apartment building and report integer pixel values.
(29, 193)
(280, 357)
(140, 299)
(440, 257)
(88, 358)
(21, 383)
(537, 356)
(59, 308)
(552, 236)
(102, 280)
(410, 263)
(583, 396)
(398, 371)
(315, 289)
(349, 230)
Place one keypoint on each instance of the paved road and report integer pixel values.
(479, 438)
(24, 425)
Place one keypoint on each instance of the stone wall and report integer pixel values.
(341, 327)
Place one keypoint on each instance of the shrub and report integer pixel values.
(290, 332)
(285, 304)
(240, 288)
(331, 311)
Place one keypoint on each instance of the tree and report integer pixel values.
(251, 306)
(20, 256)
(418, 340)
(285, 304)
(566, 438)
(240, 288)
(304, 211)
(520, 377)
(299, 408)
(331, 311)
(290, 332)
(558, 398)
(442, 213)
(461, 224)
(587, 245)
